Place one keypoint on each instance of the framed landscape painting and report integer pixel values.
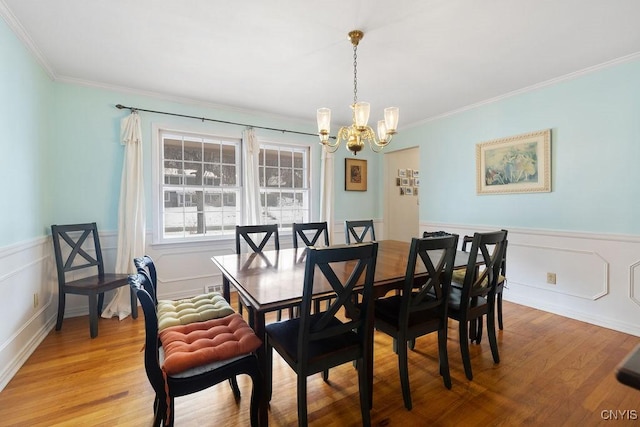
(355, 178)
(517, 164)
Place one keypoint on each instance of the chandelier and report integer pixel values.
(359, 132)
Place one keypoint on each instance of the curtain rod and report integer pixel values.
(120, 107)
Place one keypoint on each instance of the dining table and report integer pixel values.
(272, 280)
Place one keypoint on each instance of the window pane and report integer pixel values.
(193, 151)
(228, 153)
(285, 159)
(261, 157)
(228, 176)
(285, 178)
(211, 174)
(172, 149)
(212, 153)
(298, 161)
(173, 225)
(271, 157)
(193, 173)
(261, 176)
(172, 173)
(298, 181)
(272, 177)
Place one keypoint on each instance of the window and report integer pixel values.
(201, 186)
(284, 184)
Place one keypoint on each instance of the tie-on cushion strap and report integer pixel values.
(197, 309)
(197, 344)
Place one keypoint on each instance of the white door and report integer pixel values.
(401, 220)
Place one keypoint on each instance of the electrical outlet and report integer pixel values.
(551, 278)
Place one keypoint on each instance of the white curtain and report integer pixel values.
(131, 213)
(327, 191)
(250, 158)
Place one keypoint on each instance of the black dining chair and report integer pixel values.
(420, 310)
(77, 247)
(310, 233)
(186, 375)
(188, 310)
(257, 238)
(315, 342)
(502, 284)
(475, 297)
(358, 230)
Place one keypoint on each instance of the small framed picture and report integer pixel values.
(402, 191)
(405, 181)
(408, 191)
(416, 173)
(415, 191)
(397, 182)
(402, 173)
(416, 182)
(409, 173)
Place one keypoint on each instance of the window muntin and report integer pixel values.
(201, 186)
(284, 184)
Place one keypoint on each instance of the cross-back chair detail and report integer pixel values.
(358, 230)
(72, 245)
(266, 231)
(320, 230)
(475, 297)
(317, 341)
(420, 310)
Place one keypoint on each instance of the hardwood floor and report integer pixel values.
(554, 371)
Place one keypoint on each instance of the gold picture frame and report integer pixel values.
(517, 164)
(355, 175)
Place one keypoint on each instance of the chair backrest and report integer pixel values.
(319, 229)
(358, 229)
(145, 264)
(503, 264)
(435, 234)
(466, 240)
(268, 231)
(73, 238)
(141, 284)
(437, 255)
(350, 262)
(488, 250)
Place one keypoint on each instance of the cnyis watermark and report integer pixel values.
(618, 414)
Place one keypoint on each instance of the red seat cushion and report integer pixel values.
(200, 343)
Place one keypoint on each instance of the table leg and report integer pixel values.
(226, 289)
(259, 329)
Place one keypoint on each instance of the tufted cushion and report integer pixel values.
(197, 309)
(458, 278)
(196, 344)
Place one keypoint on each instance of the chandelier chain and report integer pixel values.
(355, 74)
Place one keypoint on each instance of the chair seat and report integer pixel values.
(107, 282)
(199, 308)
(455, 297)
(388, 309)
(201, 343)
(286, 335)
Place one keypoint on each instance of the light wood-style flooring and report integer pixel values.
(554, 371)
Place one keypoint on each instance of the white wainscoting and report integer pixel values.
(598, 280)
(595, 280)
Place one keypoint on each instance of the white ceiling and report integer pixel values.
(289, 57)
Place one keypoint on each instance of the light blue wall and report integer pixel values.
(26, 99)
(595, 151)
(90, 156)
(61, 157)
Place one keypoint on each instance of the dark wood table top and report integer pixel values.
(273, 280)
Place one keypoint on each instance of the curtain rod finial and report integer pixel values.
(120, 106)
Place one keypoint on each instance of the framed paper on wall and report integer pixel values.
(355, 175)
(517, 164)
